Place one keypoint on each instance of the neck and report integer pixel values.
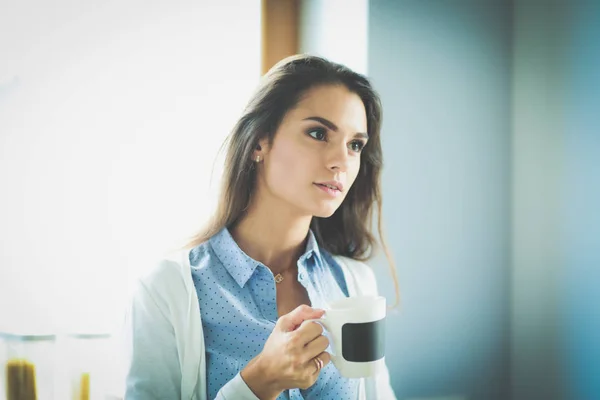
(275, 242)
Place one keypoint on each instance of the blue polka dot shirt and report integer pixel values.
(237, 297)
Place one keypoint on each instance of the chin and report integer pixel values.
(325, 211)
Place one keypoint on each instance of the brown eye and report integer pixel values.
(357, 146)
(317, 133)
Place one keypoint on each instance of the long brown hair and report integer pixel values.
(348, 231)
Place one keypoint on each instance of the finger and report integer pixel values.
(316, 347)
(308, 332)
(325, 357)
(319, 362)
(294, 318)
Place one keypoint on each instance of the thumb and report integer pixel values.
(292, 320)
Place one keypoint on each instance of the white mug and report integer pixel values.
(356, 330)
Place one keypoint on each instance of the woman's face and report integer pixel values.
(315, 155)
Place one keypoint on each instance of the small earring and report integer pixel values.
(257, 159)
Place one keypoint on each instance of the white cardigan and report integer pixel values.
(169, 290)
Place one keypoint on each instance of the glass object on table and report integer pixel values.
(28, 363)
(90, 363)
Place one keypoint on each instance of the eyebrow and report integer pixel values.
(333, 126)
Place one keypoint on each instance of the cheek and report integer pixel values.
(353, 169)
(289, 169)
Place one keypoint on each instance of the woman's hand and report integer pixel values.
(292, 357)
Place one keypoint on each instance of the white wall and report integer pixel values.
(106, 144)
(337, 30)
(443, 71)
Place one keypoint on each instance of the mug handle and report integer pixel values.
(322, 321)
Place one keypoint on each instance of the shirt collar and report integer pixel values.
(312, 248)
(240, 265)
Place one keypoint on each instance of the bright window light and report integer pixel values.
(111, 114)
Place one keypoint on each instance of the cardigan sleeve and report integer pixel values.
(153, 333)
(152, 363)
(236, 389)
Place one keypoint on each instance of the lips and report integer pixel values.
(332, 192)
(328, 186)
(333, 185)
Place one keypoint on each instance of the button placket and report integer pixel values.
(265, 293)
(305, 281)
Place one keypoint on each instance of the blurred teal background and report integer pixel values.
(492, 195)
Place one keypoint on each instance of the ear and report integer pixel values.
(261, 149)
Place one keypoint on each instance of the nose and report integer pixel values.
(337, 158)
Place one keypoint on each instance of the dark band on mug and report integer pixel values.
(364, 341)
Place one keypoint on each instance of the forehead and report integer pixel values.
(335, 103)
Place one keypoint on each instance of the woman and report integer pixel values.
(224, 318)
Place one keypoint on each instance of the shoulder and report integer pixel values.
(164, 272)
(165, 281)
(358, 274)
(174, 266)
